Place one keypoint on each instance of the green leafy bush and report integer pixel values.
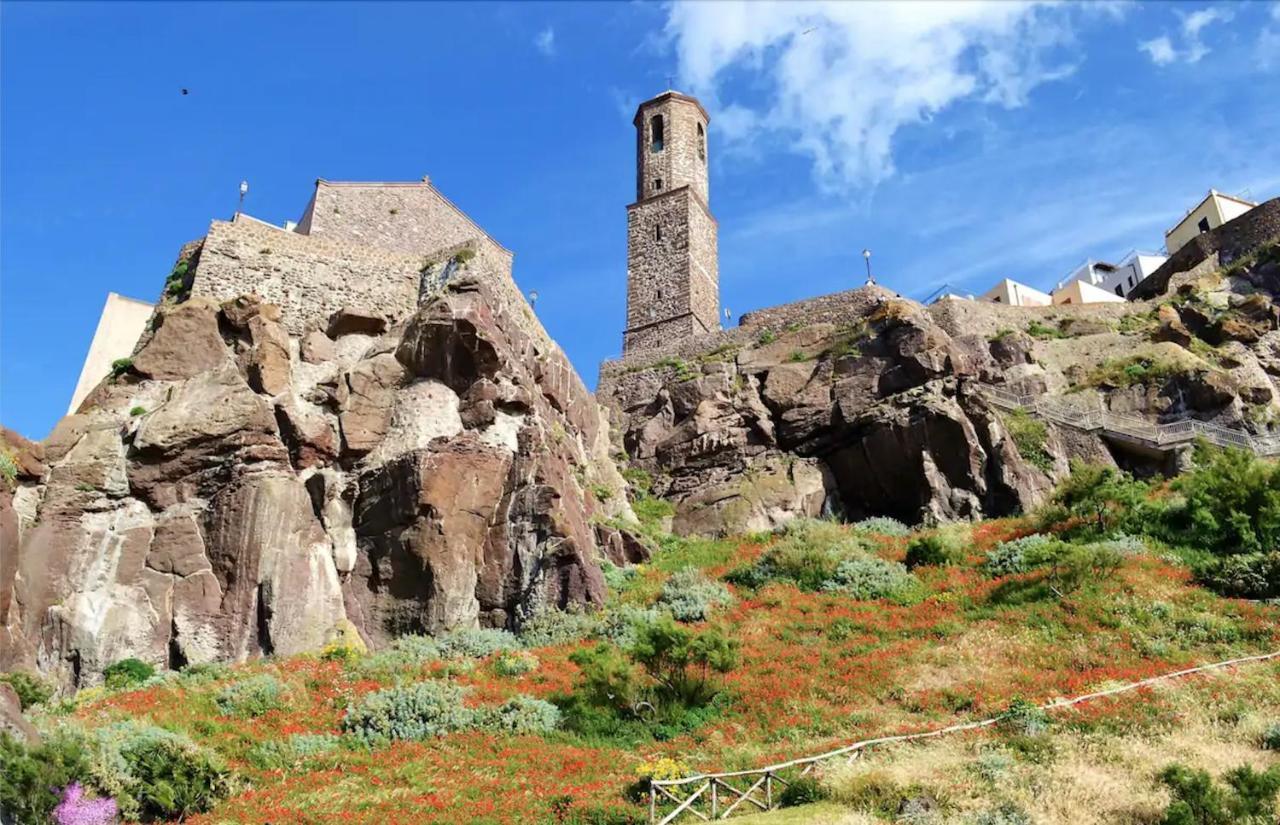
(30, 778)
(691, 596)
(1232, 502)
(31, 689)
(619, 624)
(1029, 435)
(1018, 555)
(1251, 576)
(514, 663)
(8, 468)
(203, 673)
(420, 710)
(127, 673)
(519, 715)
(475, 643)
(868, 577)
(933, 551)
(1249, 797)
(1022, 718)
(1099, 497)
(134, 412)
(251, 697)
(807, 555)
(767, 337)
(275, 754)
(881, 526)
(157, 774)
(119, 367)
(556, 627)
(1271, 738)
(804, 790)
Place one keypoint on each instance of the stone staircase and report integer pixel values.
(1132, 428)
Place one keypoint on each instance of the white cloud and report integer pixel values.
(1161, 49)
(840, 79)
(545, 41)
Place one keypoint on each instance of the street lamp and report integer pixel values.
(866, 254)
(244, 190)
(533, 298)
(727, 316)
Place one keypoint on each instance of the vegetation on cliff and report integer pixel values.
(791, 643)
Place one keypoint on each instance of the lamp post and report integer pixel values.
(727, 315)
(533, 298)
(244, 190)
(866, 254)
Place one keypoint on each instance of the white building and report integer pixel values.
(119, 328)
(1081, 292)
(1016, 294)
(1216, 209)
(1117, 279)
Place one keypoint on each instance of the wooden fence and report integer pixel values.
(709, 796)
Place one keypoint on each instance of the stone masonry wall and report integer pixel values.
(1255, 227)
(404, 217)
(308, 277)
(704, 266)
(683, 159)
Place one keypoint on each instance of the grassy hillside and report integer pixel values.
(790, 645)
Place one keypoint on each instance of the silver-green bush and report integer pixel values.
(251, 697)
(691, 596)
(869, 577)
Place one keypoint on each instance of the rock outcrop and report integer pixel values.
(241, 491)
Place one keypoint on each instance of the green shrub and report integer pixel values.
(475, 643)
(1249, 796)
(619, 624)
(420, 710)
(30, 779)
(119, 367)
(1044, 332)
(203, 673)
(275, 754)
(804, 790)
(868, 577)
(1029, 435)
(134, 412)
(1018, 555)
(691, 596)
(933, 551)
(1251, 576)
(251, 697)
(8, 468)
(1232, 502)
(155, 773)
(31, 689)
(519, 715)
(127, 673)
(1006, 813)
(1135, 370)
(807, 555)
(651, 511)
(1271, 738)
(881, 526)
(1022, 718)
(1103, 498)
(514, 663)
(767, 337)
(556, 627)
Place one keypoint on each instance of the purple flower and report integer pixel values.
(76, 809)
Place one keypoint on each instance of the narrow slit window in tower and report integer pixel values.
(657, 232)
(656, 133)
(657, 184)
(702, 144)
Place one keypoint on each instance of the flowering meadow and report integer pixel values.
(805, 668)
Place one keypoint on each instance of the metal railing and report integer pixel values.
(1163, 434)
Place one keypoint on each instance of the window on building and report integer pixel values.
(657, 232)
(1203, 226)
(1120, 290)
(702, 144)
(996, 299)
(656, 133)
(657, 184)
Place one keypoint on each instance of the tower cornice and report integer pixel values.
(664, 97)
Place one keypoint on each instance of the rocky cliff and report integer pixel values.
(236, 490)
(864, 403)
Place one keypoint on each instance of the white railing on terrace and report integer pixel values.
(1164, 434)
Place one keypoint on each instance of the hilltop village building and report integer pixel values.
(1216, 209)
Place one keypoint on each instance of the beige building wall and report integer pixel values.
(1015, 294)
(1215, 210)
(1079, 292)
(119, 328)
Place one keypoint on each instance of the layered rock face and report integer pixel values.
(864, 403)
(241, 491)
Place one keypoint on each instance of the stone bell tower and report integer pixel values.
(673, 275)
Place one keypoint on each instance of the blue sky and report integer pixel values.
(962, 143)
